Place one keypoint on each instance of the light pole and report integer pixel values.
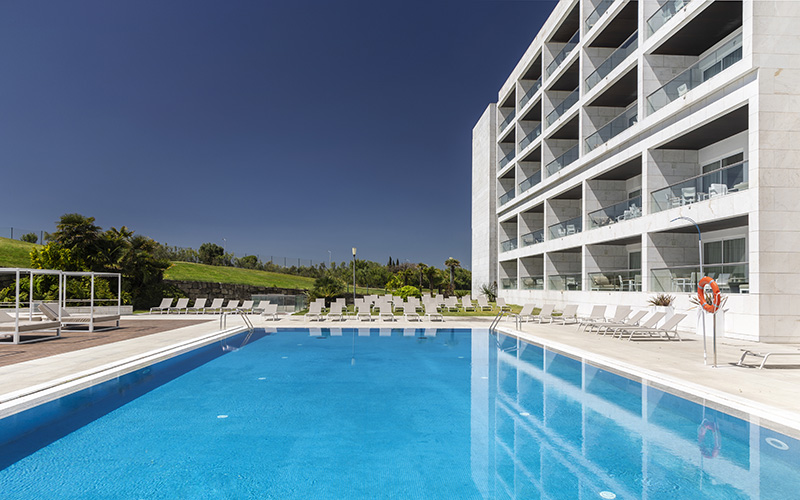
(700, 310)
(329, 259)
(354, 276)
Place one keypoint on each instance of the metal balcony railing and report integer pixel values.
(564, 282)
(623, 280)
(731, 277)
(530, 93)
(532, 282)
(530, 181)
(507, 196)
(508, 245)
(664, 14)
(597, 13)
(532, 135)
(562, 108)
(533, 238)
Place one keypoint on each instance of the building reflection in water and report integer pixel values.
(545, 425)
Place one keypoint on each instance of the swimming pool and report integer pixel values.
(379, 413)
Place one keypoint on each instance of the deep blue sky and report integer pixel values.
(286, 127)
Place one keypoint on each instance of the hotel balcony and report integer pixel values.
(597, 13)
(615, 59)
(616, 126)
(666, 12)
(570, 281)
(626, 210)
(563, 107)
(530, 182)
(508, 283)
(731, 278)
(528, 95)
(718, 61)
(563, 160)
(532, 282)
(729, 179)
(621, 280)
(508, 245)
(562, 55)
(566, 228)
(533, 237)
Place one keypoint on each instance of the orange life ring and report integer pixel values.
(701, 294)
(709, 449)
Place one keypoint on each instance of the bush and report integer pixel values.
(408, 291)
(327, 286)
(490, 291)
(29, 238)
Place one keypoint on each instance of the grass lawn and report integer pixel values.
(15, 253)
(188, 271)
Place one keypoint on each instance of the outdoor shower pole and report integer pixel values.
(700, 309)
(354, 278)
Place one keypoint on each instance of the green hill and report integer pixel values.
(188, 271)
(15, 253)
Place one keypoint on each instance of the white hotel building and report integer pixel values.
(620, 118)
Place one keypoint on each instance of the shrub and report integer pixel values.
(327, 286)
(29, 238)
(662, 299)
(408, 291)
(490, 291)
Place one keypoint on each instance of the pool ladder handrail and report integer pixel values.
(223, 320)
(499, 317)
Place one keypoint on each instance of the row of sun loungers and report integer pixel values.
(50, 321)
(200, 307)
(621, 324)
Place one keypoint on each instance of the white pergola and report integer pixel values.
(20, 324)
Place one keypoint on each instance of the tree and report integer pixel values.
(211, 254)
(79, 234)
(421, 267)
(29, 238)
(247, 262)
(327, 286)
(452, 264)
(434, 276)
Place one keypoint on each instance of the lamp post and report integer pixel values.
(354, 276)
(329, 259)
(700, 252)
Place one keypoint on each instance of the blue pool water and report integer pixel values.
(339, 413)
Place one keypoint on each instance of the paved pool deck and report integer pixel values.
(769, 394)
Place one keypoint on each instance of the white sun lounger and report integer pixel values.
(466, 303)
(410, 312)
(385, 312)
(483, 304)
(231, 306)
(215, 307)
(181, 305)
(269, 311)
(610, 326)
(670, 325)
(71, 320)
(163, 306)
(570, 313)
(501, 303)
(545, 314)
(766, 356)
(199, 305)
(649, 323)
(335, 312)
(431, 312)
(9, 327)
(526, 314)
(363, 312)
(314, 312)
(598, 314)
(247, 306)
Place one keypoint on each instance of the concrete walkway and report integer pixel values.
(768, 394)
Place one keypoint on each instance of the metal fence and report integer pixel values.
(16, 233)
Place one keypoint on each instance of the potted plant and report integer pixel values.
(662, 302)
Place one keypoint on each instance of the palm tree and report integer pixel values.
(452, 264)
(422, 268)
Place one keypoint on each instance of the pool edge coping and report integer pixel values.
(20, 400)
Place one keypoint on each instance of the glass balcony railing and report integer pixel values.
(525, 142)
(664, 14)
(566, 228)
(506, 159)
(720, 182)
(530, 93)
(508, 283)
(530, 181)
(508, 119)
(508, 245)
(731, 278)
(626, 210)
(612, 61)
(562, 161)
(533, 238)
(622, 122)
(564, 282)
(507, 196)
(533, 282)
(562, 108)
(721, 59)
(570, 45)
(597, 13)
(625, 280)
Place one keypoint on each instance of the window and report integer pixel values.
(730, 160)
(725, 251)
(635, 260)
